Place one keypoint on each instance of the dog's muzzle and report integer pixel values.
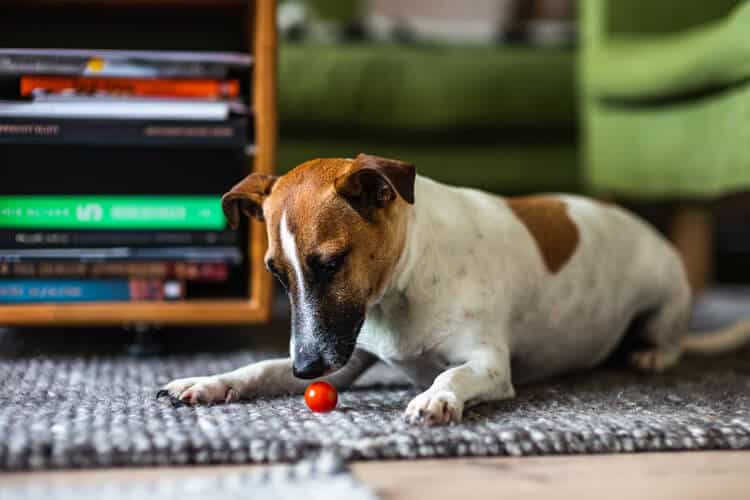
(325, 346)
(309, 366)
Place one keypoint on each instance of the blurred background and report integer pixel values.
(479, 93)
(641, 103)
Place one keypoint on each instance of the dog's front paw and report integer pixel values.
(434, 408)
(197, 390)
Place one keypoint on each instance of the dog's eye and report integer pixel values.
(335, 263)
(326, 268)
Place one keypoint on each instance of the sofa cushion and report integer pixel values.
(425, 88)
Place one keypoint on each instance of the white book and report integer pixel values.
(229, 58)
(121, 63)
(125, 109)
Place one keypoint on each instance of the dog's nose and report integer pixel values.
(308, 366)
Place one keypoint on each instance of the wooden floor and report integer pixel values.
(711, 475)
(705, 475)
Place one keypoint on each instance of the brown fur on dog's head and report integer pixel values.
(347, 219)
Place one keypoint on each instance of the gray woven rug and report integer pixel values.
(102, 412)
(96, 411)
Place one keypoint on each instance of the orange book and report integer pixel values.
(139, 87)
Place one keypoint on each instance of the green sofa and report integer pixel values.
(666, 97)
(498, 117)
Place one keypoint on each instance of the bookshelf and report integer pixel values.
(237, 25)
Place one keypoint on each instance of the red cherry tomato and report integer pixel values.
(321, 397)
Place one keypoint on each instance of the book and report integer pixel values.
(184, 271)
(234, 132)
(121, 63)
(40, 291)
(112, 212)
(11, 238)
(137, 87)
(122, 108)
(230, 255)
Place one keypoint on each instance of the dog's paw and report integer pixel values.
(199, 390)
(653, 360)
(434, 408)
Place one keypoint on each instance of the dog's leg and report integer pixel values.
(663, 332)
(485, 377)
(265, 378)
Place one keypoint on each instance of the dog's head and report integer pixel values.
(336, 229)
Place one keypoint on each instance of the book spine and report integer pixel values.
(50, 291)
(41, 65)
(185, 271)
(11, 238)
(228, 255)
(140, 87)
(232, 133)
(92, 108)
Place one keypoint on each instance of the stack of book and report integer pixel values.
(113, 163)
(114, 97)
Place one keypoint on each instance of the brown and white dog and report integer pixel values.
(465, 292)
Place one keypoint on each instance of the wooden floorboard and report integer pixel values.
(695, 475)
(705, 475)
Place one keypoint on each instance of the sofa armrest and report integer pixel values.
(592, 27)
(644, 67)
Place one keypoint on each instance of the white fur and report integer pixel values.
(471, 265)
(471, 292)
(289, 248)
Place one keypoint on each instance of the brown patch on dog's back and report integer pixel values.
(547, 220)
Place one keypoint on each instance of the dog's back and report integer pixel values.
(558, 277)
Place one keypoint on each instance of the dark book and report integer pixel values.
(235, 132)
(58, 269)
(20, 238)
(226, 254)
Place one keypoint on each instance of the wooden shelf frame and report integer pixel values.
(255, 309)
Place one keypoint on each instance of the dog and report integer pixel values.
(469, 294)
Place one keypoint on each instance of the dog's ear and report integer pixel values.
(247, 197)
(374, 182)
